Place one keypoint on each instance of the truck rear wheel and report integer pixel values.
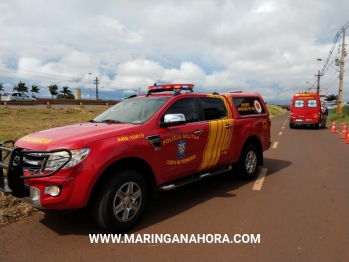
(248, 162)
(120, 202)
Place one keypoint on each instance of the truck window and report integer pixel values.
(299, 103)
(312, 103)
(248, 105)
(185, 106)
(213, 108)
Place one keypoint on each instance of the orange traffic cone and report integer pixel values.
(333, 129)
(347, 141)
(345, 131)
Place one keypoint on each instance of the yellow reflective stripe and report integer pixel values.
(210, 143)
(219, 137)
(218, 144)
(230, 134)
(226, 135)
(229, 104)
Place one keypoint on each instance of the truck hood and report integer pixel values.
(74, 136)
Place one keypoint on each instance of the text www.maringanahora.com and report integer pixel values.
(176, 238)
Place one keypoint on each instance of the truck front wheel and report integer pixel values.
(248, 162)
(120, 202)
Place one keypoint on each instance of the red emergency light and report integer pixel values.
(170, 87)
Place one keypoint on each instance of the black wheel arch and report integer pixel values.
(131, 163)
(254, 140)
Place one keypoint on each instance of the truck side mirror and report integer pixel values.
(173, 120)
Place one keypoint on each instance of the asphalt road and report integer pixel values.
(301, 212)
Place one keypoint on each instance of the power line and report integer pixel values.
(12, 71)
(9, 70)
(57, 77)
(330, 78)
(333, 46)
(335, 80)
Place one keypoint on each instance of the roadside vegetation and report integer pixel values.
(342, 118)
(275, 110)
(18, 122)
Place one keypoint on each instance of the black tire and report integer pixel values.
(247, 166)
(290, 124)
(120, 201)
(316, 126)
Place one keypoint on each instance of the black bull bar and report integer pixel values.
(12, 160)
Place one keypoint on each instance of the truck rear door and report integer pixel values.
(312, 108)
(218, 116)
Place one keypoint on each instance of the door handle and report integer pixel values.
(228, 126)
(198, 132)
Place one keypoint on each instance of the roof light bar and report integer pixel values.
(170, 87)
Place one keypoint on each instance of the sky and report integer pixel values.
(270, 47)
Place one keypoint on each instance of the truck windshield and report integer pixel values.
(134, 110)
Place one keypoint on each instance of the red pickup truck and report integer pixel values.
(159, 141)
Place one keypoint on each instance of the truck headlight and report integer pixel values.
(57, 159)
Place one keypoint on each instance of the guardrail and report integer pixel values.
(49, 102)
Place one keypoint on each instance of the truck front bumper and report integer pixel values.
(33, 198)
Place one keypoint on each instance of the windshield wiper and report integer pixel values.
(92, 121)
(112, 121)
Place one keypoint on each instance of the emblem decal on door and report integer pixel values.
(181, 148)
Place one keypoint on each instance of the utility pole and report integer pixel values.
(96, 88)
(318, 82)
(340, 88)
(89, 86)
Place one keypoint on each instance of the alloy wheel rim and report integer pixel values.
(251, 162)
(127, 201)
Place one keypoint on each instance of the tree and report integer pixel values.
(20, 88)
(331, 97)
(53, 90)
(66, 92)
(71, 96)
(34, 89)
(1, 87)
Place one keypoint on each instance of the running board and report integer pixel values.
(194, 178)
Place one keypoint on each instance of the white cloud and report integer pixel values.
(265, 45)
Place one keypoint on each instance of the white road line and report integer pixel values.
(275, 144)
(280, 133)
(260, 179)
(283, 127)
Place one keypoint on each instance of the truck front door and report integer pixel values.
(183, 145)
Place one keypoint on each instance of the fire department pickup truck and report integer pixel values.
(167, 138)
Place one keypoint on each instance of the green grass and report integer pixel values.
(18, 122)
(275, 110)
(342, 118)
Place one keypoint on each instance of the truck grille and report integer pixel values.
(34, 161)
